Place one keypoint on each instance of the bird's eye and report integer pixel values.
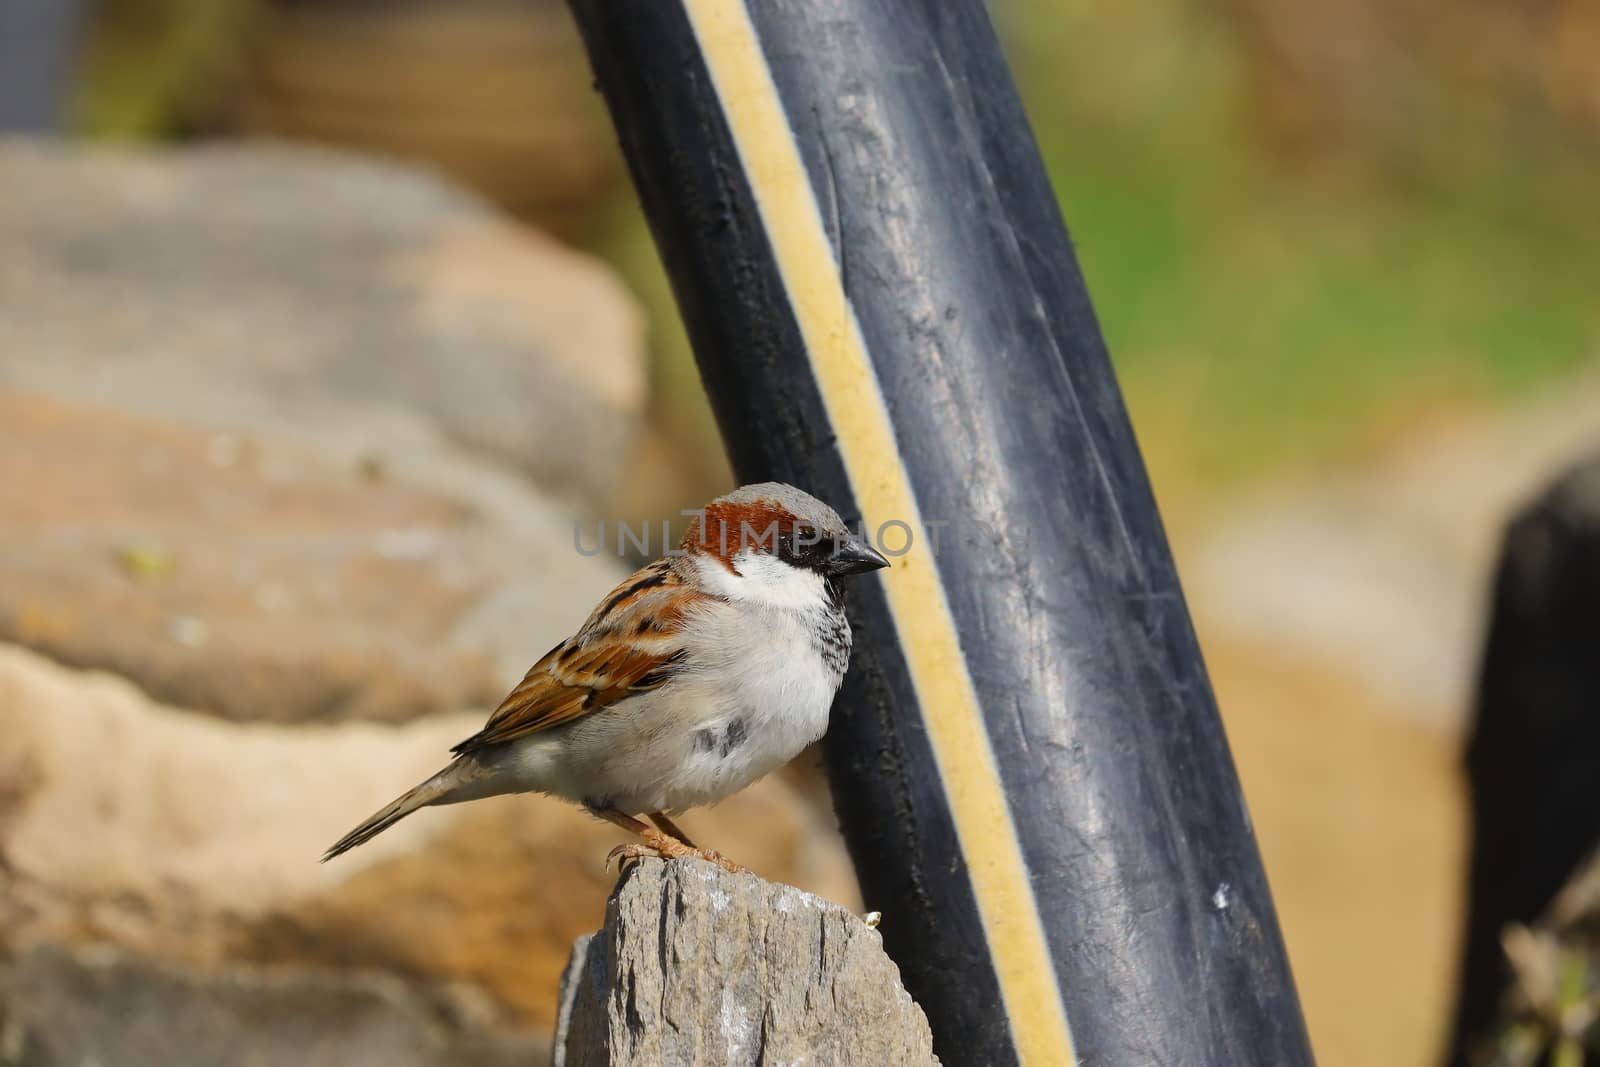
(805, 546)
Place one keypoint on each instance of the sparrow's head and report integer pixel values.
(774, 534)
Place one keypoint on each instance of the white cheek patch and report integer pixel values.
(762, 579)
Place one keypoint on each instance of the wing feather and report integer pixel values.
(631, 644)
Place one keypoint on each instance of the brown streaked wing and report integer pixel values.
(629, 645)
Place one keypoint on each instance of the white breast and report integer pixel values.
(755, 690)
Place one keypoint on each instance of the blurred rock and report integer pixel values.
(367, 306)
(1378, 570)
(67, 1009)
(296, 401)
(496, 93)
(698, 966)
(238, 574)
(190, 842)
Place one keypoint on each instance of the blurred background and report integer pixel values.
(321, 307)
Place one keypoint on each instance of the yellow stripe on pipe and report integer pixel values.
(927, 630)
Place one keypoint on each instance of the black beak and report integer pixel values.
(851, 555)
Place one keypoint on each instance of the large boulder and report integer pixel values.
(293, 436)
(366, 305)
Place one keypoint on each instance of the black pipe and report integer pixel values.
(1027, 759)
(1533, 753)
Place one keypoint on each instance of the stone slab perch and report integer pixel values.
(699, 967)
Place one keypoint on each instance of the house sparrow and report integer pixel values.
(699, 674)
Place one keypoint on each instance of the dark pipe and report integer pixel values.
(1110, 798)
(1533, 758)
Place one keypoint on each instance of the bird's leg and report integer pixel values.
(666, 846)
(656, 843)
(670, 827)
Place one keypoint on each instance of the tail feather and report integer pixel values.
(432, 791)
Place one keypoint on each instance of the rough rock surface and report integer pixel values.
(699, 967)
(192, 842)
(366, 305)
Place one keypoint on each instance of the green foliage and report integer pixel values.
(1267, 308)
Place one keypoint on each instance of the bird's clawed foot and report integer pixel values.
(664, 843)
(670, 848)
